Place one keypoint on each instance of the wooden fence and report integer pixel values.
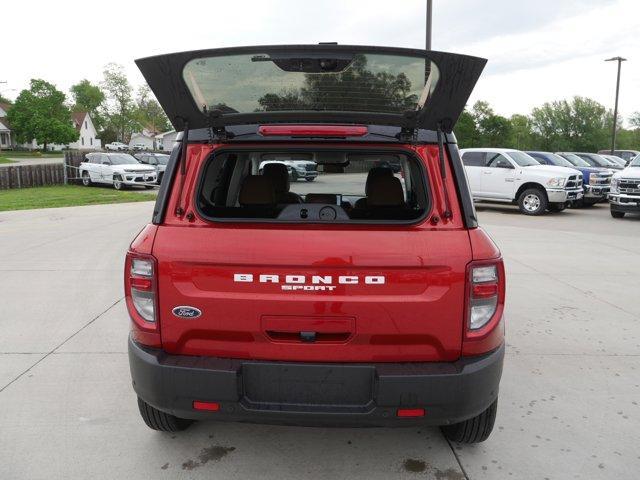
(23, 176)
(31, 175)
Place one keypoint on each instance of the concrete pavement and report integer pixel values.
(569, 404)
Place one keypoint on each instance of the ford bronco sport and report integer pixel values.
(367, 297)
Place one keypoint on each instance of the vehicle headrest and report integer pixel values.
(279, 176)
(385, 191)
(374, 173)
(257, 190)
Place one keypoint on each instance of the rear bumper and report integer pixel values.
(355, 395)
(306, 173)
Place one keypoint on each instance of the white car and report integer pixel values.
(116, 146)
(117, 169)
(139, 147)
(505, 175)
(624, 195)
(158, 161)
(298, 169)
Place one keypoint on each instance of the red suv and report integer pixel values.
(367, 297)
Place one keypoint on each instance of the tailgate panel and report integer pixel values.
(369, 295)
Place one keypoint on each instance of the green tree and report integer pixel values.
(634, 119)
(579, 124)
(149, 112)
(40, 113)
(492, 130)
(88, 98)
(4, 99)
(466, 131)
(521, 133)
(120, 108)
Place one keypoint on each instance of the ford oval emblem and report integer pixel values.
(185, 311)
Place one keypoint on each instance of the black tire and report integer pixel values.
(159, 181)
(310, 179)
(161, 421)
(616, 214)
(117, 182)
(474, 430)
(557, 207)
(86, 179)
(533, 201)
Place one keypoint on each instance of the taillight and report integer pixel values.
(485, 305)
(141, 298)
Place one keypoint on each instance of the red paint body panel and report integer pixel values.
(417, 314)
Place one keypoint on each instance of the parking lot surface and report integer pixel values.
(569, 405)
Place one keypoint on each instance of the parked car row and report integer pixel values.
(122, 169)
(123, 147)
(543, 181)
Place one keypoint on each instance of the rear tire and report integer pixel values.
(616, 214)
(533, 201)
(474, 430)
(161, 421)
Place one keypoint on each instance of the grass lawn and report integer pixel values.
(33, 154)
(6, 160)
(66, 196)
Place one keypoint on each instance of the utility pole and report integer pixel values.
(615, 109)
(429, 17)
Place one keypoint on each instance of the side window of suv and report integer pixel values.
(496, 160)
(474, 159)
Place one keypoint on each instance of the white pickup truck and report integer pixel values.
(624, 196)
(510, 176)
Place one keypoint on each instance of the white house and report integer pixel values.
(146, 137)
(165, 140)
(88, 135)
(82, 122)
(6, 141)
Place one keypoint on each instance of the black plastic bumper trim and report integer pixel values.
(449, 392)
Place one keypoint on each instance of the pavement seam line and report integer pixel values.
(586, 293)
(453, 450)
(61, 344)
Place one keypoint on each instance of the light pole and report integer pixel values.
(429, 16)
(615, 109)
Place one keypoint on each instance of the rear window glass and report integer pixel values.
(366, 82)
(320, 186)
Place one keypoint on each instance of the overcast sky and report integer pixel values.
(538, 51)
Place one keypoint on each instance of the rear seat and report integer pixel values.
(385, 200)
(257, 199)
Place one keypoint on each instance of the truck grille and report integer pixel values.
(310, 167)
(601, 179)
(629, 186)
(575, 181)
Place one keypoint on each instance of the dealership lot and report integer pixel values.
(569, 405)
